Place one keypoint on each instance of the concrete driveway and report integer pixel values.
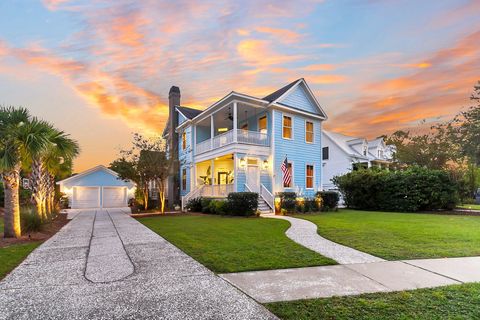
(104, 264)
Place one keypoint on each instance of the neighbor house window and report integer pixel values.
(325, 153)
(364, 150)
(290, 169)
(184, 179)
(287, 127)
(309, 131)
(262, 124)
(309, 177)
(380, 153)
(184, 140)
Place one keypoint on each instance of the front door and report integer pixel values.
(253, 178)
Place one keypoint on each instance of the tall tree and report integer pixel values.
(21, 139)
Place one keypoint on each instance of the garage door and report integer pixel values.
(114, 197)
(86, 197)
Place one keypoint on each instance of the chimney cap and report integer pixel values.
(174, 89)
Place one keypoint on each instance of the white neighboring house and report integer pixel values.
(342, 154)
(98, 187)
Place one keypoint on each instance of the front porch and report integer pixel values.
(233, 172)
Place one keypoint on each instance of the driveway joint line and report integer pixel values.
(434, 272)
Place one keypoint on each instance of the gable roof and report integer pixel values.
(344, 142)
(189, 113)
(89, 171)
(280, 92)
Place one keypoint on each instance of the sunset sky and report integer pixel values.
(101, 70)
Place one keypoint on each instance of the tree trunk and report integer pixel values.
(11, 182)
(161, 194)
(38, 181)
(145, 197)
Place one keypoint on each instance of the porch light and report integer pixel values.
(222, 129)
(265, 164)
(243, 163)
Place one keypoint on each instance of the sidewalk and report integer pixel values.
(353, 279)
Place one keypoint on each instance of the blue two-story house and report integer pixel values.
(240, 142)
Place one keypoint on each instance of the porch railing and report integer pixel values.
(229, 137)
(214, 191)
(267, 196)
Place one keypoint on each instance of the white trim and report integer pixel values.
(313, 131)
(234, 148)
(313, 177)
(273, 176)
(293, 110)
(291, 128)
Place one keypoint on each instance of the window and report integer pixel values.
(287, 127)
(184, 140)
(290, 169)
(309, 177)
(325, 153)
(380, 153)
(262, 124)
(309, 132)
(364, 150)
(184, 179)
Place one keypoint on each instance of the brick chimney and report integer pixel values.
(174, 178)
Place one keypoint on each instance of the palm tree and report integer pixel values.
(61, 148)
(21, 138)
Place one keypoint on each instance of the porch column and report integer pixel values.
(212, 175)
(212, 132)
(235, 122)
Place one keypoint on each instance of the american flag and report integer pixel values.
(287, 175)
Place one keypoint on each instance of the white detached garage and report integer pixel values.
(98, 187)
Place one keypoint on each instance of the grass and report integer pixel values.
(395, 236)
(13, 255)
(450, 302)
(470, 206)
(234, 244)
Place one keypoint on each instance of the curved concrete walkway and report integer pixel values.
(305, 233)
(106, 265)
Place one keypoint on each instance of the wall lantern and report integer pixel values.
(243, 163)
(222, 129)
(265, 164)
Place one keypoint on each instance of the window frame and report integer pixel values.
(184, 140)
(184, 179)
(307, 176)
(266, 123)
(328, 153)
(313, 131)
(283, 126)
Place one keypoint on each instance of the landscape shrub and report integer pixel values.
(30, 220)
(414, 189)
(219, 207)
(242, 203)
(206, 205)
(329, 200)
(194, 205)
(288, 201)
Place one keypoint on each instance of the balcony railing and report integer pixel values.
(229, 137)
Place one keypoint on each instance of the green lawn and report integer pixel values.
(12, 255)
(395, 236)
(451, 302)
(470, 206)
(233, 244)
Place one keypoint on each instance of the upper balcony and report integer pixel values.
(233, 136)
(234, 127)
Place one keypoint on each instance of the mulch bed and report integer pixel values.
(47, 231)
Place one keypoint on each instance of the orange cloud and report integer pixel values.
(319, 67)
(326, 79)
(283, 35)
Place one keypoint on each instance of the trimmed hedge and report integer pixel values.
(414, 189)
(329, 199)
(288, 201)
(242, 203)
(194, 205)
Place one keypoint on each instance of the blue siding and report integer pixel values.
(300, 99)
(96, 178)
(297, 151)
(181, 118)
